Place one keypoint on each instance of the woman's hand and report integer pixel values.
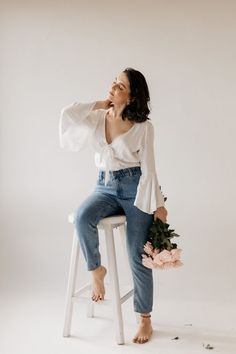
(108, 103)
(161, 213)
(103, 104)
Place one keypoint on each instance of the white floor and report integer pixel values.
(32, 323)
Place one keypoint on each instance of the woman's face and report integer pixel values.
(119, 93)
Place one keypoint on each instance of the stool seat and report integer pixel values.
(107, 224)
(114, 220)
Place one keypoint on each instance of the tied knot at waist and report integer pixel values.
(107, 154)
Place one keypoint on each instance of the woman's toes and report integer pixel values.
(94, 297)
(97, 297)
(98, 285)
(142, 336)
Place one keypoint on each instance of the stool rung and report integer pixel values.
(82, 289)
(126, 296)
(77, 294)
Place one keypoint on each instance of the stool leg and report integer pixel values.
(90, 308)
(111, 258)
(122, 232)
(71, 285)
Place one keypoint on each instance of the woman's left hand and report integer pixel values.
(161, 213)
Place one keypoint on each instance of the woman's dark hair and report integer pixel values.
(137, 110)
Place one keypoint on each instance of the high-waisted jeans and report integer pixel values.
(117, 198)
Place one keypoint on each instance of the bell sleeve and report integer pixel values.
(76, 124)
(149, 196)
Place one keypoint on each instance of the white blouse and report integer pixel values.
(80, 126)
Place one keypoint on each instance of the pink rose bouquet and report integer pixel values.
(161, 253)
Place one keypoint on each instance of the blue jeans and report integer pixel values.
(117, 198)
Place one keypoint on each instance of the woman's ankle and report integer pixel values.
(145, 314)
(96, 270)
(145, 317)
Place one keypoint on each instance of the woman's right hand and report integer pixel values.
(108, 103)
(103, 104)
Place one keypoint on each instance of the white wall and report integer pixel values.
(53, 53)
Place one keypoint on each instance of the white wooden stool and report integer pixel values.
(107, 224)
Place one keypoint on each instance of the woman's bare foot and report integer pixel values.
(144, 331)
(98, 283)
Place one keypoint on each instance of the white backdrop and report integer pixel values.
(53, 53)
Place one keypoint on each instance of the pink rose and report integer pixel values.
(155, 252)
(161, 260)
(175, 252)
(177, 264)
(148, 262)
(162, 257)
(148, 248)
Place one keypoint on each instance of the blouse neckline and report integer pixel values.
(117, 137)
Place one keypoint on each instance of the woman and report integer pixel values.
(123, 137)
